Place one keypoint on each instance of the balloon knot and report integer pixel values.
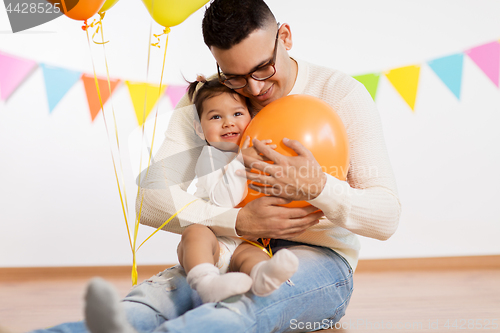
(166, 31)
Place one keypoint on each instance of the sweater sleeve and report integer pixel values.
(216, 177)
(163, 187)
(367, 203)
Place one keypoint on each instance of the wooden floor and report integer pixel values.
(394, 300)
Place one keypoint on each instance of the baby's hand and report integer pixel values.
(251, 152)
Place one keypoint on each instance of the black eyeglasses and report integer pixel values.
(262, 73)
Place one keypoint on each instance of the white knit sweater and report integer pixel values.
(217, 180)
(366, 204)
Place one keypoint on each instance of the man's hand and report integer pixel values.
(263, 218)
(295, 178)
(250, 153)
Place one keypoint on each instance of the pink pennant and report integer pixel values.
(13, 71)
(175, 93)
(487, 57)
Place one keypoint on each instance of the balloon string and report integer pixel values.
(97, 24)
(116, 128)
(154, 126)
(166, 222)
(166, 31)
(157, 105)
(138, 216)
(134, 262)
(107, 132)
(153, 139)
(134, 268)
(265, 243)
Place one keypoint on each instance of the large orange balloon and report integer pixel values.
(310, 121)
(80, 10)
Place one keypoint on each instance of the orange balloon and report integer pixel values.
(80, 10)
(310, 121)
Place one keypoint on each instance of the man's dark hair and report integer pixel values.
(228, 22)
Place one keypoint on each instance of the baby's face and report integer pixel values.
(224, 120)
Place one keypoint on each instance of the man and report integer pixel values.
(251, 50)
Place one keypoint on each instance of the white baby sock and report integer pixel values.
(213, 287)
(103, 313)
(268, 275)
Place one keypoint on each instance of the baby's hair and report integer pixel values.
(202, 89)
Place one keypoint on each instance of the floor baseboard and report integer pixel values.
(364, 265)
(431, 263)
(81, 272)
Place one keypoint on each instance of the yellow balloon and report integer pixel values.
(172, 12)
(107, 5)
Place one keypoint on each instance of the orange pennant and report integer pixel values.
(93, 97)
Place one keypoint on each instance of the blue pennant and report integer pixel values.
(449, 70)
(57, 83)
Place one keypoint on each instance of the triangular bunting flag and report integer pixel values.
(175, 93)
(58, 81)
(487, 57)
(92, 97)
(370, 81)
(13, 71)
(449, 70)
(405, 81)
(138, 92)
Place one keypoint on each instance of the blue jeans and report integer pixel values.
(316, 298)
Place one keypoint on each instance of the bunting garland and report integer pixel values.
(139, 91)
(405, 81)
(370, 82)
(487, 57)
(58, 81)
(92, 96)
(13, 71)
(175, 93)
(449, 70)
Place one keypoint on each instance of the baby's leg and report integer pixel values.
(198, 245)
(198, 251)
(267, 273)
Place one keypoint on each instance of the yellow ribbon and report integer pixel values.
(166, 31)
(134, 251)
(265, 242)
(97, 24)
(122, 199)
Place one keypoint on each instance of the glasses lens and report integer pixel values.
(236, 82)
(264, 73)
